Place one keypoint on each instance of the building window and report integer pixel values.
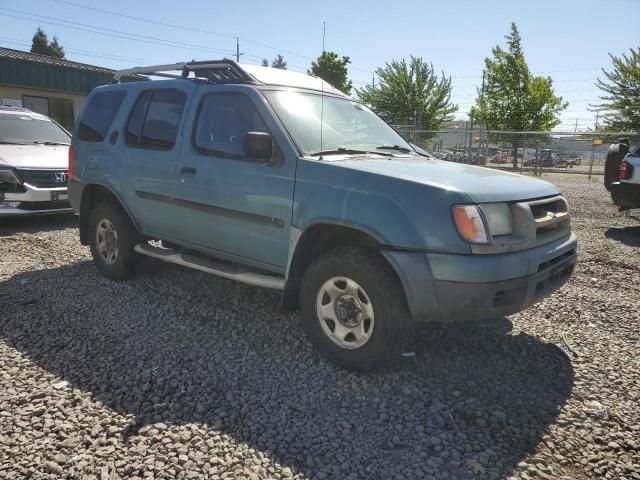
(59, 109)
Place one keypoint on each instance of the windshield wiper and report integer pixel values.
(4, 142)
(342, 150)
(395, 147)
(38, 142)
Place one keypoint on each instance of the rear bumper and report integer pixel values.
(450, 288)
(626, 194)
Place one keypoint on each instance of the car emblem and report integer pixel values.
(60, 177)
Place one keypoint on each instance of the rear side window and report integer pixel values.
(155, 119)
(99, 114)
(223, 123)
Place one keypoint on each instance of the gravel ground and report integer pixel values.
(178, 374)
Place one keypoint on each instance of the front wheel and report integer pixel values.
(354, 309)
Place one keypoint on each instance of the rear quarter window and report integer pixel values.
(155, 119)
(99, 114)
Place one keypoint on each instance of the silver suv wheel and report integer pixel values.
(345, 312)
(107, 241)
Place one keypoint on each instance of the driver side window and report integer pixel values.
(223, 123)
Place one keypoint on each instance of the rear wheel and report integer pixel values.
(612, 164)
(354, 309)
(112, 238)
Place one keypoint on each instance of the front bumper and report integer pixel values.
(626, 195)
(450, 288)
(34, 201)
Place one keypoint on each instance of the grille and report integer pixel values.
(540, 210)
(551, 219)
(555, 260)
(43, 178)
(553, 280)
(505, 298)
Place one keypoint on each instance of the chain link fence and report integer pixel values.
(531, 152)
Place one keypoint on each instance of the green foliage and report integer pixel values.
(410, 94)
(265, 62)
(622, 89)
(332, 70)
(40, 44)
(514, 99)
(279, 62)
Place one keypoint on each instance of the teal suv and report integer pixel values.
(278, 180)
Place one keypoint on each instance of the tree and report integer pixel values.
(514, 99)
(265, 62)
(333, 70)
(279, 62)
(40, 44)
(55, 49)
(410, 93)
(622, 89)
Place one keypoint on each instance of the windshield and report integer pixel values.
(347, 125)
(27, 130)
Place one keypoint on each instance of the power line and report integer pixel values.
(155, 22)
(115, 33)
(87, 53)
(190, 29)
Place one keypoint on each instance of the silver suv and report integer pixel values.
(33, 163)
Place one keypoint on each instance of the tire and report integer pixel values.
(118, 263)
(612, 163)
(383, 326)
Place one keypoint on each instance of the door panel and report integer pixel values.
(152, 141)
(224, 201)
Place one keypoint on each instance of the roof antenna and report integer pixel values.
(324, 29)
(324, 32)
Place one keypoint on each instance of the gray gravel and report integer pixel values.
(178, 374)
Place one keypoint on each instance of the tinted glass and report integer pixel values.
(224, 122)
(26, 129)
(163, 119)
(136, 119)
(98, 115)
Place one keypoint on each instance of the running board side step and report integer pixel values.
(221, 269)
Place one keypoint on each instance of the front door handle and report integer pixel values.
(187, 171)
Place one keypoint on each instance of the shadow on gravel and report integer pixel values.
(628, 235)
(36, 223)
(181, 347)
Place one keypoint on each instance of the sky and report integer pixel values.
(568, 40)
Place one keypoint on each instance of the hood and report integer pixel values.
(34, 156)
(480, 184)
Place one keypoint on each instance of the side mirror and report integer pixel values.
(258, 146)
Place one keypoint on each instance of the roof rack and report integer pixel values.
(215, 71)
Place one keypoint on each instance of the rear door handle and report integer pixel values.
(187, 171)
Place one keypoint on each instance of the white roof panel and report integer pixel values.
(287, 78)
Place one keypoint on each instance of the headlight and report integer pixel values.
(498, 216)
(7, 176)
(469, 223)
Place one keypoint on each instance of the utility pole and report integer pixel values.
(575, 130)
(481, 119)
(237, 50)
(470, 135)
(420, 113)
(593, 145)
(373, 80)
